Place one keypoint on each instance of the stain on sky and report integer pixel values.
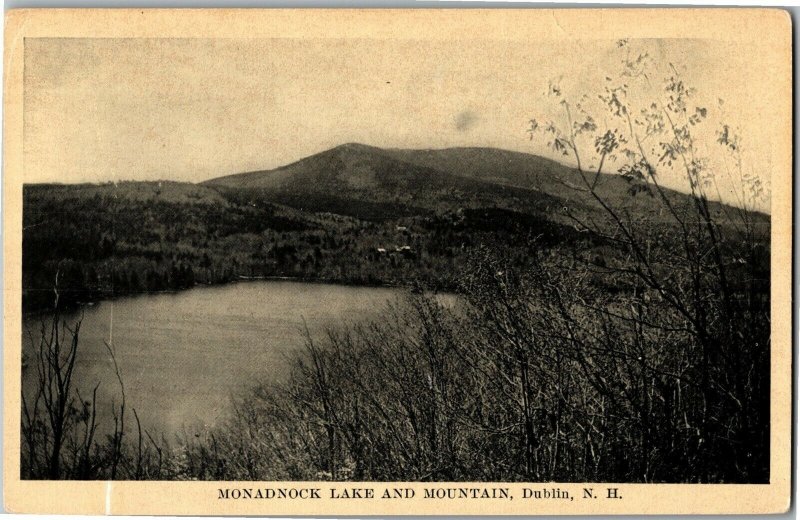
(466, 120)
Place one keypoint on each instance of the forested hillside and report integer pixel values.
(116, 239)
(354, 214)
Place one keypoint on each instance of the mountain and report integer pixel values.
(352, 214)
(510, 168)
(358, 167)
(349, 168)
(369, 182)
(491, 165)
(353, 178)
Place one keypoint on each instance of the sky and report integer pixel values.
(192, 109)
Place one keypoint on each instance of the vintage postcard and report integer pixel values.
(375, 262)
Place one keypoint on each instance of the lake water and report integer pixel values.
(183, 355)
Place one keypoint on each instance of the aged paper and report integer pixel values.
(354, 262)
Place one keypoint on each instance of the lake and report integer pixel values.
(183, 355)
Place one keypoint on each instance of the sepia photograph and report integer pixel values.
(480, 265)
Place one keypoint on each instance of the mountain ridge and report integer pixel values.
(470, 161)
(334, 216)
(440, 178)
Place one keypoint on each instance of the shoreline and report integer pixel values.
(240, 279)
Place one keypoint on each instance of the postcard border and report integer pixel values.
(770, 26)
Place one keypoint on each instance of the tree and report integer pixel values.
(60, 425)
(682, 266)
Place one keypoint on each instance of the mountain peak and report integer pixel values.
(431, 178)
(359, 166)
(357, 146)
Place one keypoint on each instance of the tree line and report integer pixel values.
(106, 242)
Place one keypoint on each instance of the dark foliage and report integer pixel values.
(117, 239)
